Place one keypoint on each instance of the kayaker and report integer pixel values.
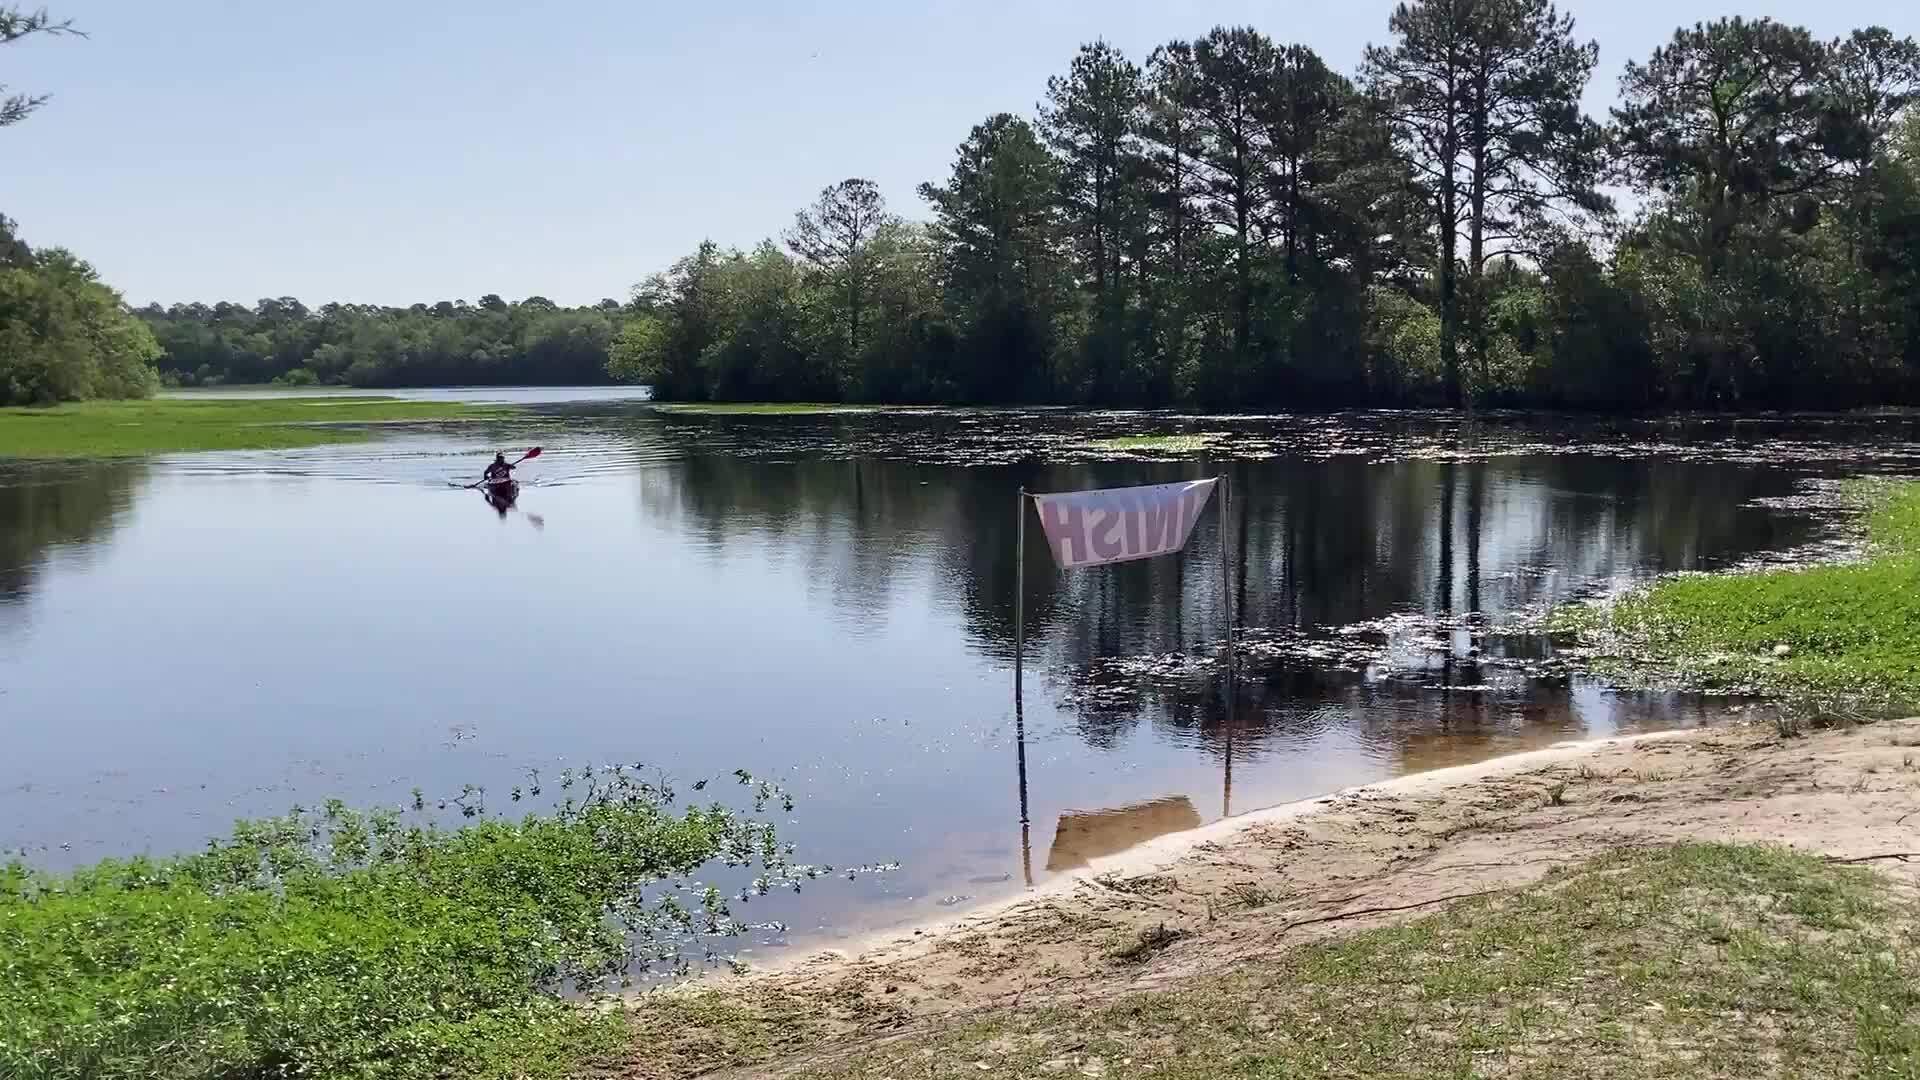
(498, 471)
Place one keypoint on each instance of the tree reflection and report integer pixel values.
(1319, 545)
(47, 507)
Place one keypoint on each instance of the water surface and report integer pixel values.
(829, 600)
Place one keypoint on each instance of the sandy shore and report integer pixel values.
(1253, 885)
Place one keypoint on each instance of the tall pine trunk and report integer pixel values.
(1449, 246)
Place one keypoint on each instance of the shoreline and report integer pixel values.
(1160, 852)
(1185, 910)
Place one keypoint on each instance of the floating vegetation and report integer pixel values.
(1189, 443)
(1407, 647)
(956, 436)
(765, 408)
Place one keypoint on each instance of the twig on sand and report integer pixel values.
(1296, 924)
(1438, 870)
(1903, 856)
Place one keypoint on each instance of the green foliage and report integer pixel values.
(1403, 342)
(1234, 225)
(448, 343)
(336, 943)
(99, 429)
(996, 228)
(1843, 637)
(1483, 102)
(638, 354)
(65, 337)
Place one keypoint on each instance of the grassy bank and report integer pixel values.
(1845, 637)
(131, 428)
(333, 943)
(1689, 962)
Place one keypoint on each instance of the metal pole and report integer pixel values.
(1226, 605)
(1226, 563)
(1019, 592)
(1026, 830)
(1019, 656)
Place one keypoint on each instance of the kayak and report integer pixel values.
(504, 490)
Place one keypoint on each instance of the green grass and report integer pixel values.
(1192, 443)
(761, 408)
(334, 943)
(164, 425)
(1851, 632)
(1687, 963)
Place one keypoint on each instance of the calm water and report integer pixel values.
(828, 600)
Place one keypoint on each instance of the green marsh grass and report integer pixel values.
(99, 429)
(1840, 637)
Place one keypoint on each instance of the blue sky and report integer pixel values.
(416, 150)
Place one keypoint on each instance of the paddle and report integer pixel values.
(532, 452)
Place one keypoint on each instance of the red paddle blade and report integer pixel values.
(532, 452)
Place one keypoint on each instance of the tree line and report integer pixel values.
(492, 342)
(1233, 223)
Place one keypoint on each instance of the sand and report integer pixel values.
(1262, 882)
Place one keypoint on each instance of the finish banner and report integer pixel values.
(1091, 528)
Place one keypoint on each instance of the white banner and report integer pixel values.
(1090, 528)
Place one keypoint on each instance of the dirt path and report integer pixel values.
(1251, 886)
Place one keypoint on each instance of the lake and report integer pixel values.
(828, 600)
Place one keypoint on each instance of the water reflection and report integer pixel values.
(1083, 836)
(1418, 561)
(46, 508)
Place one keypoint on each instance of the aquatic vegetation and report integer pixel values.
(1189, 443)
(763, 408)
(332, 942)
(1833, 639)
(99, 429)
